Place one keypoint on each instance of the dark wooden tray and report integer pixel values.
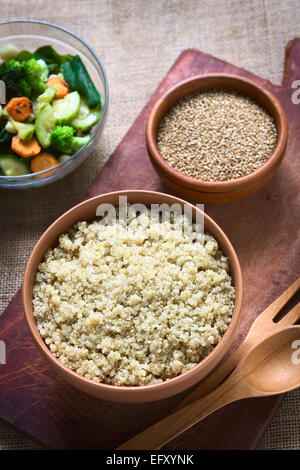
(263, 229)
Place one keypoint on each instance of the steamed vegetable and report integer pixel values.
(23, 56)
(85, 118)
(60, 85)
(67, 108)
(25, 148)
(12, 165)
(78, 78)
(19, 108)
(4, 114)
(44, 125)
(36, 74)
(24, 130)
(42, 162)
(52, 58)
(63, 158)
(64, 140)
(11, 128)
(9, 51)
(44, 98)
(24, 78)
(13, 73)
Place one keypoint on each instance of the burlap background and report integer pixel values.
(138, 40)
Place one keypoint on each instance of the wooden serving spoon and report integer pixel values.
(270, 368)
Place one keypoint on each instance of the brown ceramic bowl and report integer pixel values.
(87, 211)
(220, 191)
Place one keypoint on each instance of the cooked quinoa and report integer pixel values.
(216, 135)
(133, 309)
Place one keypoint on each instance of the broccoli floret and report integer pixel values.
(24, 78)
(14, 75)
(36, 74)
(63, 139)
(25, 86)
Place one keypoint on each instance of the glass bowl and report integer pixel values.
(29, 35)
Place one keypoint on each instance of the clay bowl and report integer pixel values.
(209, 191)
(87, 211)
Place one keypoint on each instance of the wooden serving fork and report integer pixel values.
(262, 327)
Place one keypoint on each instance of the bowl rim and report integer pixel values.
(217, 186)
(91, 384)
(31, 176)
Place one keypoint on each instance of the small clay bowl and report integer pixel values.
(87, 211)
(221, 191)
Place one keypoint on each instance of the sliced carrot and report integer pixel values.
(42, 162)
(19, 108)
(61, 86)
(25, 148)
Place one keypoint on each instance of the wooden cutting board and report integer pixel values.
(263, 229)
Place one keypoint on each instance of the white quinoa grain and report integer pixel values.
(135, 309)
